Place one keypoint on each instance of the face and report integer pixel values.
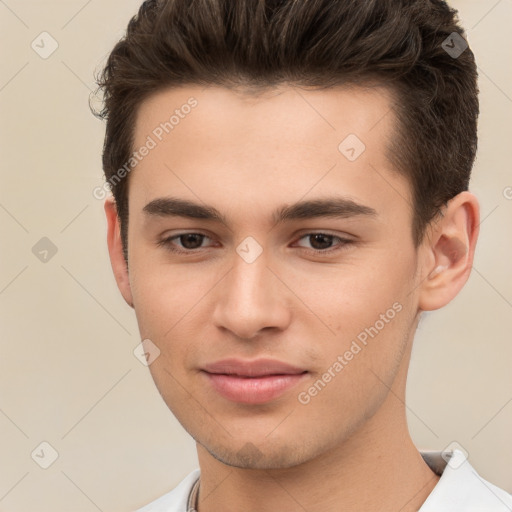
(298, 249)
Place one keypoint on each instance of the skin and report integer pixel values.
(246, 155)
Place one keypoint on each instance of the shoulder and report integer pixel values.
(175, 500)
(461, 487)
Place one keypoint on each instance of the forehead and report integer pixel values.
(271, 146)
(309, 113)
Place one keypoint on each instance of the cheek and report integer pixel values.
(350, 299)
(369, 314)
(164, 294)
(169, 305)
(359, 366)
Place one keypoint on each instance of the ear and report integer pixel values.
(449, 251)
(115, 250)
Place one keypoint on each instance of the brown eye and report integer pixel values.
(184, 242)
(322, 243)
(191, 240)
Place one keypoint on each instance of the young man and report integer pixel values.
(290, 182)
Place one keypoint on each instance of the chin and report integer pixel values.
(250, 456)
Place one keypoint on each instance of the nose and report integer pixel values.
(251, 298)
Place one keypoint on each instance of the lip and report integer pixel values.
(252, 382)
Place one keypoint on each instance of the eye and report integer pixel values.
(321, 243)
(189, 242)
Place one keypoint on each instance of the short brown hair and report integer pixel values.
(399, 44)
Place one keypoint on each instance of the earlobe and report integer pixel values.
(451, 250)
(115, 250)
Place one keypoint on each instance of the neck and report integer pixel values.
(376, 469)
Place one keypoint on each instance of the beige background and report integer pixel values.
(68, 375)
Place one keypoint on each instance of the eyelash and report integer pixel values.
(344, 243)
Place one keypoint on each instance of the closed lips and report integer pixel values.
(252, 382)
(254, 368)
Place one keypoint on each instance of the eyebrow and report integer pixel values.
(337, 207)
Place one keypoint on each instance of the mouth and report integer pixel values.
(252, 382)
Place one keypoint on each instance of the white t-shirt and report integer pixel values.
(460, 489)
